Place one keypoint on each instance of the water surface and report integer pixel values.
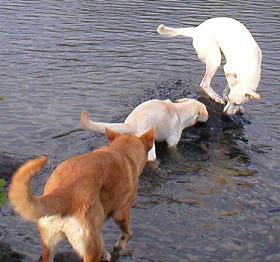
(218, 199)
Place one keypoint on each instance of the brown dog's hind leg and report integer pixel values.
(123, 219)
(47, 253)
(93, 250)
(94, 246)
(49, 240)
(105, 254)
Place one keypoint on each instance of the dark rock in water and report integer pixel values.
(9, 163)
(8, 255)
(216, 118)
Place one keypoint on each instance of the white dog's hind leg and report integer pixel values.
(173, 139)
(152, 154)
(206, 81)
(209, 53)
(172, 148)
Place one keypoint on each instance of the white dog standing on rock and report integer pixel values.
(227, 36)
(168, 118)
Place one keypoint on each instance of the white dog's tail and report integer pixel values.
(170, 31)
(99, 127)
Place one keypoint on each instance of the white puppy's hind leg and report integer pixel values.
(152, 154)
(172, 149)
(173, 139)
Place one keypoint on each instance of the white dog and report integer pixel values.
(243, 56)
(168, 118)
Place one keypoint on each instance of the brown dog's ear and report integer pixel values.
(148, 138)
(252, 94)
(110, 134)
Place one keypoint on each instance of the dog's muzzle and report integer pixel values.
(230, 110)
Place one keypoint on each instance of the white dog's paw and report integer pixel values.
(218, 99)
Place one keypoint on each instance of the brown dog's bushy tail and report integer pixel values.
(170, 31)
(100, 127)
(29, 206)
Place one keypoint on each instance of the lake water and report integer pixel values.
(218, 199)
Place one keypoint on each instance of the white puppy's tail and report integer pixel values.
(170, 31)
(99, 127)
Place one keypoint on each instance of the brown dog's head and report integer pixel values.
(148, 138)
(130, 142)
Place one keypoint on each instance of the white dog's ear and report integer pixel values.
(110, 134)
(252, 94)
(232, 79)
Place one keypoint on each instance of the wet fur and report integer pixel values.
(82, 193)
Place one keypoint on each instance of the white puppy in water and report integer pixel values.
(168, 118)
(227, 36)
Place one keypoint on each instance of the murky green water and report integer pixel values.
(218, 199)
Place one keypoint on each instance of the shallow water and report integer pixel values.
(218, 199)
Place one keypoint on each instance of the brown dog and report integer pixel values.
(82, 193)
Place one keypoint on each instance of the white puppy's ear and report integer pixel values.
(252, 94)
(110, 134)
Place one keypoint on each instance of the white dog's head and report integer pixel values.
(237, 96)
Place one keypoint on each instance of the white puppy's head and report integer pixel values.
(202, 112)
(192, 110)
(237, 97)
